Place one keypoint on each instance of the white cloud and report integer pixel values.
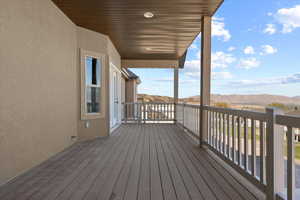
(215, 75)
(194, 75)
(163, 79)
(249, 63)
(199, 54)
(147, 90)
(284, 80)
(218, 29)
(192, 66)
(193, 46)
(270, 29)
(268, 49)
(249, 50)
(289, 18)
(219, 60)
(170, 80)
(221, 75)
(231, 48)
(222, 60)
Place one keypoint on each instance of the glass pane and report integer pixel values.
(93, 99)
(93, 71)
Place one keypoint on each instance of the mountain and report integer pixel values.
(154, 98)
(257, 99)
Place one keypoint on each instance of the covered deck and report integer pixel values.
(139, 161)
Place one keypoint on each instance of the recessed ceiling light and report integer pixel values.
(148, 48)
(148, 15)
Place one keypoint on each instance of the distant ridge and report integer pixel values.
(255, 99)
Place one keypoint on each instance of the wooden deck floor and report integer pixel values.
(144, 162)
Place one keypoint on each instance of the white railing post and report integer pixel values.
(275, 155)
(176, 82)
(144, 112)
(183, 111)
(291, 182)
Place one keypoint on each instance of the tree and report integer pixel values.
(278, 105)
(222, 105)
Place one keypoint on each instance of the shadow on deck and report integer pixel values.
(152, 161)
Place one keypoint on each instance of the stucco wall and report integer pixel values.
(131, 88)
(38, 84)
(114, 56)
(99, 43)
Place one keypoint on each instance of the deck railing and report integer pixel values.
(239, 137)
(148, 112)
(290, 123)
(188, 117)
(250, 142)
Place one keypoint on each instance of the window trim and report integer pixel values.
(84, 114)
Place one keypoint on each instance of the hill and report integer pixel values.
(257, 99)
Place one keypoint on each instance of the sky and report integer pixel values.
(255, 50)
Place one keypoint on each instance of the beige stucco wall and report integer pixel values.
(38, 84)
(99, 43)
(114, 56)
(131, 91)
(123, 91)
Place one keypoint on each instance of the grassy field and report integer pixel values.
(297, 151)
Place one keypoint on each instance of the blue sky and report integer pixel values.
(256, 50)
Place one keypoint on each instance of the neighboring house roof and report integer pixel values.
(182, 60)
(130, 75)
(295, 113)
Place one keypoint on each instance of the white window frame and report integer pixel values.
(102, 58)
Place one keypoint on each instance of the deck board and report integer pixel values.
(203, 187)
(144, 162)
(214, 179)
(144, 185)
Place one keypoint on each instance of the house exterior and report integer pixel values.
(65, 93)
(43, 55)
(130, 83)
(295, 113)
(57, 82)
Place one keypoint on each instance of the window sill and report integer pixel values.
(92, 116)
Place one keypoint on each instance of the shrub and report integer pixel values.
(222, 105)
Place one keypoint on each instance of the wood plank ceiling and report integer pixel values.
(165, 36)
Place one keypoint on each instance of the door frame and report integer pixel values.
(114, 70)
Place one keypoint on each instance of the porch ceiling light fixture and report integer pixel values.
(148, 15)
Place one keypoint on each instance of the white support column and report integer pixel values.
(176, 77)
(275, 155)
(205, 75)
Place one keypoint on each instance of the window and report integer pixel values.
(92, 84)
(91, 75)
